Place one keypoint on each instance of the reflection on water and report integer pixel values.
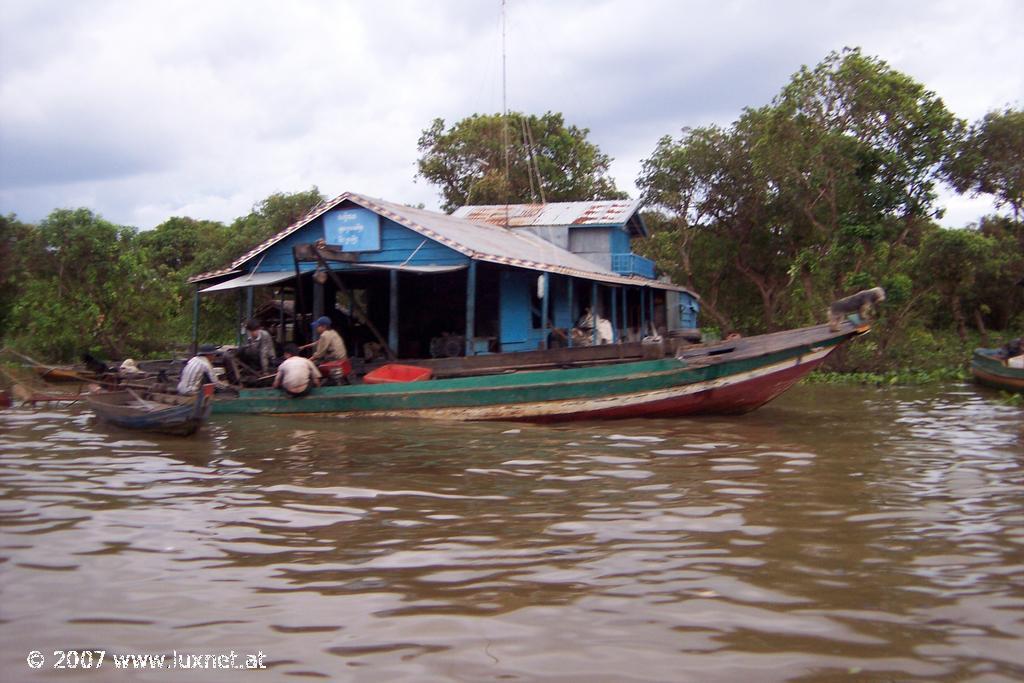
(839, 533)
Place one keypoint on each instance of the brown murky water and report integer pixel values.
(850, 534)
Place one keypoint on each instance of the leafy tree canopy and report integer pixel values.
(815, 193)
(547, 161)
(87, 287)
(989, 159)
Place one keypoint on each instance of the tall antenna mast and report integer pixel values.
(504, 115)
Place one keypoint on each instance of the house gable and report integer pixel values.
(397, 245)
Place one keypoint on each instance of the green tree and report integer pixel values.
(547, 161)
(950, 261)
(177, 243)
(88, 288)
(16, 242)
(267, 218)
(995, 299)
(813, 195)
(989, 159)
(182, 247)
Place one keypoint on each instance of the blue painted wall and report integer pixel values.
(620, 241)
(518, 297)
(561, 315)
(397, 244)
(514, 317)
(689, 309)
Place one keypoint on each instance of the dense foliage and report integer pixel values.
(831, 189)
(546, 161)
(76, 283)
(827, 190)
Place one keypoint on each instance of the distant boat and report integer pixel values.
(990, 368)
(59, 374)
(162, 413)
(597, 382)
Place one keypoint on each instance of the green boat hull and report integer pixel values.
(725, 379)
(993, 372)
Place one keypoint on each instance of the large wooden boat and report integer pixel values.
(615, 381)
(991, 369)
(153, 412)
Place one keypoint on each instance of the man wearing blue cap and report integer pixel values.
(329, 346)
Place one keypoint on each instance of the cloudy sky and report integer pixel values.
(146, 110)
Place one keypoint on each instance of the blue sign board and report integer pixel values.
(352, 229)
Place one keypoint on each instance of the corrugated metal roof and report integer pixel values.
(476, 240)
(605, 212)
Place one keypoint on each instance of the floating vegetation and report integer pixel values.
(904, 377)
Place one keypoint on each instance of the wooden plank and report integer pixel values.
(499, 362)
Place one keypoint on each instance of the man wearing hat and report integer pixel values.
(329, 346)
(199, 371)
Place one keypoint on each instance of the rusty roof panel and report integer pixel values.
(602, 212)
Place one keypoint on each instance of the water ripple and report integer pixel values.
(840, 533)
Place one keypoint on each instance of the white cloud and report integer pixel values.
(146, 110)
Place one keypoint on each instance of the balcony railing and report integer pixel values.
(631, 264)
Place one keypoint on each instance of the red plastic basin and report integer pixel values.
(392, 373)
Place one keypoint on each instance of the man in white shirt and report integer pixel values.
(296, 375)
(199, 371)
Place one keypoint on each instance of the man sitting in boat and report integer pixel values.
(329, 345)
(199, 371)
(1012, 353)
(296, 375)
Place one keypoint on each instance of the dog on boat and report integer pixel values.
(860, 303)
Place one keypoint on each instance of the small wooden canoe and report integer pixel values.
(163, 413)
(992, 370)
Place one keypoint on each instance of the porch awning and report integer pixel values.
(258, 279)
(250, 280)
(407, 269)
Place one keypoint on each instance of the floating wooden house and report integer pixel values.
(484, 279)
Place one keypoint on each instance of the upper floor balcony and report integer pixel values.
(631, 264)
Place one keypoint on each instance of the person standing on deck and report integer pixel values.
(329, 347)
(258, 348)
(296, 375)
(199, 371)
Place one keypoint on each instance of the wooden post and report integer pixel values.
(393, 312)
(250, 296)
(240, 320)
(643, 313)
(545, 307)
(281, 336)
(625, 314)
(318, 299)
(650, 303)
(195, 323)
(593, 311)
(615, 315)
(572, 313)
(298, 333)
(470, 306)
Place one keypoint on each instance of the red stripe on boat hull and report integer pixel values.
(733, 399)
